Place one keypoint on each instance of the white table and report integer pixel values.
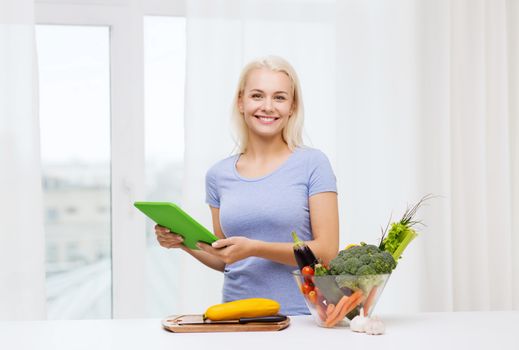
(459, 330)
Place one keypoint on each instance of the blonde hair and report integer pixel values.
(292, 133)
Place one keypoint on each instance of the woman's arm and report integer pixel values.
(324, 218)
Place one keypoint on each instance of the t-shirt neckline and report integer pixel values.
(252, 179)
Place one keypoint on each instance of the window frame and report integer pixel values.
(125, 21)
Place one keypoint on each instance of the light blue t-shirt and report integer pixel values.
(268, 208)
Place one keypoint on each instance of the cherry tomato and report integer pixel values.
(307, 288)
(312, 296)
(307, 270)
(308, 274)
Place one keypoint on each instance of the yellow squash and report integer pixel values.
(253, 307)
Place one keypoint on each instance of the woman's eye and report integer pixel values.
(280, 98)
(256, 96)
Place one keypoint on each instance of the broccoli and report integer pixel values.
(365, 259)
(365, 282)
(360, 267)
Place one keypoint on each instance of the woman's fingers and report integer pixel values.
(169, 240)
(221, 243)
(206, 247)
(161, 229)
(164, 232)
(174, 245)
(171, 237)
(225, 253)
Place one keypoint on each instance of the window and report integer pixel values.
(71, 210)
(74, 77)
(52, 253)
(52, 213)
(164, 68)
(116, 112)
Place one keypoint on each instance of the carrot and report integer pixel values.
(329, 309)
(346, 310)
(321, 312)
(352, 302)
(338, 307)
(330, 322)
(369, 300)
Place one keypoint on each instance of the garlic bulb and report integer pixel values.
(358, 324)
(374, 326)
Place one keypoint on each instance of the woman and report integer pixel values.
(272, 187)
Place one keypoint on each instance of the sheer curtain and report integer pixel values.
(430, 104)
(406, 98)
(470, 85)
(22, 272)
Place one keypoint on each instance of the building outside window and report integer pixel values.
(74, 68)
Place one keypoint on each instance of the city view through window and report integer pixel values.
(74, 93)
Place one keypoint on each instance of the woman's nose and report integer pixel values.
(267, 104)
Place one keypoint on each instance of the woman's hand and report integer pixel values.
(230, 250)
(168, 239)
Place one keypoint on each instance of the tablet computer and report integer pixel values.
(178, 221)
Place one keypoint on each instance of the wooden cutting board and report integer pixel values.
(196, 324)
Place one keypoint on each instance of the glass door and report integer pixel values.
(74, 94)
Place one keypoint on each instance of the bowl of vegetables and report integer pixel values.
(354, 280)
(349, 287)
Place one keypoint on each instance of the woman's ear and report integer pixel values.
(240, 104)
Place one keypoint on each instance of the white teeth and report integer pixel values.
(267, 119)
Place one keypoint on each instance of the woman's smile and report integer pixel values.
(266, 119)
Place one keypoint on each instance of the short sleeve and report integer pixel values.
(321, 176)
(212, 196)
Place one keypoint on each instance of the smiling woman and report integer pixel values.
(272, 187)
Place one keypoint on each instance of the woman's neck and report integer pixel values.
(258, 149)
